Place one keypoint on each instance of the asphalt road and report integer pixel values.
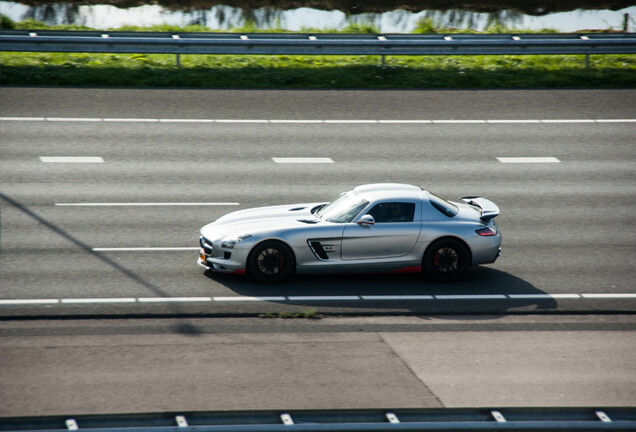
(569, 246)
(184, 365)
(569, 240)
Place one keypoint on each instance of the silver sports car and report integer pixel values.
(373, 228)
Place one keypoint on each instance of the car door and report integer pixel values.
(393, 234)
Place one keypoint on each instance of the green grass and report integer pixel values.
(212, 71)
(282, 71)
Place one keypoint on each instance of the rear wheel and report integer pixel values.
(446, 260)
(271, 262)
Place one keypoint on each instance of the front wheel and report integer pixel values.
(271, 262)
(446, 260)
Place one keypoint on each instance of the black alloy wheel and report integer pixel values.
(271, 262)
(446, 260)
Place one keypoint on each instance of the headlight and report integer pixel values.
(230, 243)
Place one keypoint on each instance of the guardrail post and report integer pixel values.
(178, 60)
(587, 61)
(383, 60)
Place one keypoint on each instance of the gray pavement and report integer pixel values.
(567, 227)
(568, 247)
(321, 104)
(118, 366)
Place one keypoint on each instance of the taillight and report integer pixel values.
(488, 231)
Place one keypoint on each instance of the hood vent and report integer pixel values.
(297, 209)
(309, 221)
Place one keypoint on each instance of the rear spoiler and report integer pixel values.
(489, 209)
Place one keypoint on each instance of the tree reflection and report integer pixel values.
(275, 14)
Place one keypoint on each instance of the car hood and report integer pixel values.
(256, 220)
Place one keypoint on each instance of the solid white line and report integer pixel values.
(173, 299)
(71, 159)
(568, 121)
(297, 121)
(145, 249)
(543, 296)
(441, 121)
(186, 121)
(303, 160)
(528, 160)
(472, 297)
(405, 121)
(616, 121)
(132, 120)
(322, 298)
(29, 301)
(352, 121)
(248, 299)
(98, 300)
(459, 121)
(608, 296)
(123, 204)
(71, 119)
(23, 119)
(241, 121)
(513, 121)
(397, 297)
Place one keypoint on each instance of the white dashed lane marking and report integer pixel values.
(145, 249)
(71, 159)
(528, 160)
(148, 204)
(302, 160)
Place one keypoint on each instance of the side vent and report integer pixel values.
(317, 248)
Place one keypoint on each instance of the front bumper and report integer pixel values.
(213, 257)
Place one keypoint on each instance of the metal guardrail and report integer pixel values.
(433, 419)
(315, 44)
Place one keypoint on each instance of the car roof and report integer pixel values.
(382, 191)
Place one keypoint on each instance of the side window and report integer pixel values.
(393, 212)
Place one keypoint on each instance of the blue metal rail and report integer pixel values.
(434, 419)
(315, 44)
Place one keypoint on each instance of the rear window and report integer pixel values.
(445, 207)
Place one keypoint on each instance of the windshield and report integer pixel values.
(344, 209)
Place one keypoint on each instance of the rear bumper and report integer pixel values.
(496, 256)
(486, 250)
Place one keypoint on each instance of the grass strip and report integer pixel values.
(284, 71)
(400, 72)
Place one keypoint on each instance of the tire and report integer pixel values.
(446, 260)
(271, 262)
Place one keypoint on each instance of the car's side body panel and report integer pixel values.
(403, 223)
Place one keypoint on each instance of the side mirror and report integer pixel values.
(366, 220)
